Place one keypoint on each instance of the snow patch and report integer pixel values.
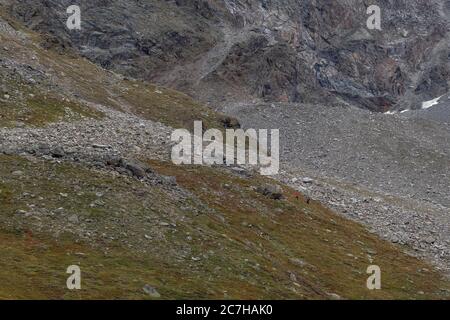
(429, 104)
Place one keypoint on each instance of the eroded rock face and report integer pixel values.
(286, 50)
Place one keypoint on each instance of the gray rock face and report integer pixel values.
(285, 50)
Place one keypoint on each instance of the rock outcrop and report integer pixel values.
(284, 50)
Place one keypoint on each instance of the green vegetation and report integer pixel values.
(170, 107)
(224, 241)
(69, 74)
(40, 110)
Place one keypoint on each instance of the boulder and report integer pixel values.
(272, 191)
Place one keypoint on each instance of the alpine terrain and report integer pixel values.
(87, 176)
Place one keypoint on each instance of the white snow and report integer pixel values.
(429, 104)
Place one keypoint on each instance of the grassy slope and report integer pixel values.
(245, 245)
(70, 74)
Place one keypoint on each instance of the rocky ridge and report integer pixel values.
(261, 50)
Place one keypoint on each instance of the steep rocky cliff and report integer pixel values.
(264, 50)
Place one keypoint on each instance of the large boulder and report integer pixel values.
(272, 191)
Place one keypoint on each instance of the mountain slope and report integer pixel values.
(192, 246)
(91, 184)
(388, 171)
(240, 51)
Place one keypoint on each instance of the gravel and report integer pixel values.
(389, 172)
(118, 134)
